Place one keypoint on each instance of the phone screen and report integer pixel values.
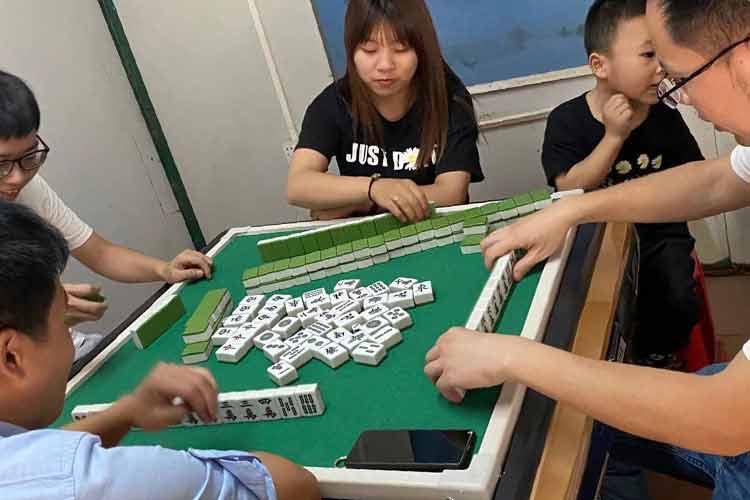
(412, 450)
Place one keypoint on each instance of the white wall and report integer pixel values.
(102, 162)
(205, 70)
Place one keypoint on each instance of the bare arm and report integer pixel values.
(689, 192)
(450, 188)
(122, 264)
(331, 196)
(119, 263)
(111, 425)
(310, 186)
(151, 406)
(687, 410)
(590, 173)
(699, 413)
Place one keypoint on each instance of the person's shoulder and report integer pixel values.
(331, 96)
(21, 450)
(460, 104)
(36, 194)
(571, 110)
(661, 113)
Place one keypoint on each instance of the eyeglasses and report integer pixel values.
(670, 89)
(28, 162)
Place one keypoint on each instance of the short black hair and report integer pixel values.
(33, 255)
(706, 25)
(19, 110)
(603, 21)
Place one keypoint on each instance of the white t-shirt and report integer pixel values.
(741, 163)
(38, 196)
(741, 167)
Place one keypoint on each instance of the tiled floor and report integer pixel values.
(728, 297)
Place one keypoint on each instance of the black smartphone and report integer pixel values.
(412, 450)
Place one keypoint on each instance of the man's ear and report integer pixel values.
(740, 70)
(598, 65)
(14, 349)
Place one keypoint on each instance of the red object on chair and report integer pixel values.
(701, 351)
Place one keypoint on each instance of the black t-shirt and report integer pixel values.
(662, 141)
(329, 129)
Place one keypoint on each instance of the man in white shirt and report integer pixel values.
(22, 153)
(691, 426)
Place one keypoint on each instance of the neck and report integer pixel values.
(395, 107)
(602, 93)
(15, 418)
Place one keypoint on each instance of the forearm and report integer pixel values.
(591, 172)
(111, 425)
(323, 191)
(676, 408)
(119, 263)
(689, 192)
(444, 197)
(449, 189)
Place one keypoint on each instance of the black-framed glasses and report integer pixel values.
(670, 89)
(30, 161)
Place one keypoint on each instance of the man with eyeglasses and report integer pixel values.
(691, 426)
(22, 154)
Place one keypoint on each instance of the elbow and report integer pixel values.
(563, 183)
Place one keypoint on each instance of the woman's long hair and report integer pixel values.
(411, 24)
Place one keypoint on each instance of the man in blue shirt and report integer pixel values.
(83, 461)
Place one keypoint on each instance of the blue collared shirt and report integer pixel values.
(67, 465)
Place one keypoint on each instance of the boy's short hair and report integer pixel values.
(706, 25)
(34, 254)
(603, 21)
(19, 110)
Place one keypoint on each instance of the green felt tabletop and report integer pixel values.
(392, 396)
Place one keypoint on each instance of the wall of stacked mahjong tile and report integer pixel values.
(354, 321)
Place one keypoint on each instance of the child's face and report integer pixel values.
(631, 64)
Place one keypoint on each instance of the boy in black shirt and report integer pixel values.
(617, 132)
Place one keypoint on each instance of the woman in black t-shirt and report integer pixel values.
(400, 122)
